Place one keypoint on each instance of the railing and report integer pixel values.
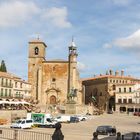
(15, 134)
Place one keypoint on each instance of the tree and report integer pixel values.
(3, 66)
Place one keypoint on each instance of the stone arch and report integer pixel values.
(53, 95)
(36, 50)
(53, 99)
(112, 103)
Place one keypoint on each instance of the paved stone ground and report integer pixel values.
(84, 130)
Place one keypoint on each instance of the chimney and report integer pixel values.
(117, 73)
(122, 72)
(111, 72)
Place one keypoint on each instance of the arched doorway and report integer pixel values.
(52, 99)
(112, 103)
(122, 109)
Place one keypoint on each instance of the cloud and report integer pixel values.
(121, 2)
(57, 16)
(130, 42)
(15, 13)
(107, 46)
(81, 66)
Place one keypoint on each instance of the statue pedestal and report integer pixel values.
(70, 108)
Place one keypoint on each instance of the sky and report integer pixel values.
(106, 33)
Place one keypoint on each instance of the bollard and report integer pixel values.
(15, 134)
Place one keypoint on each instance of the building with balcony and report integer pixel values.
(12, 86)
(114, 92)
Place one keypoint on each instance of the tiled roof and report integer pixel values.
(109, 76)
(11, 76)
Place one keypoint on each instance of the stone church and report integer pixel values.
(53, 81)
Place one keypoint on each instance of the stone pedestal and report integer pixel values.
(70, 108)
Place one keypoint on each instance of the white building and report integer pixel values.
(128, 97)
(12, 86)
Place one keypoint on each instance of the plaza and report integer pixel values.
(84, 130)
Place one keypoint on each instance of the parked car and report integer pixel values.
(136, 113)
(81, 117)
(74, 119)
(22, 123)
(106, 130)
(63, 119)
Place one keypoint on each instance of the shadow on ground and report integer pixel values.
(127, 136)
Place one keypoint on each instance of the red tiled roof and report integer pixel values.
(108, 76)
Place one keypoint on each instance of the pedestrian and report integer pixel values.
(95, 136)
(114, 131)
(57, 135)
(137, 137)
(119, 136)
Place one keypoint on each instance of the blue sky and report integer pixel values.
(106, 32)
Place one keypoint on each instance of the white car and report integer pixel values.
(82, 118)
(22, 123)
(62, 119)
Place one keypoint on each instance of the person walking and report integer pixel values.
(119, 136)
(95, 136)
(137, 137)
(57, 135)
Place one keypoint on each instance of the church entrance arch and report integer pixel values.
(52, 99)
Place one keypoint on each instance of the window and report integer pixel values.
(36, 50)
(110, 81)
(1, 91)
(10, 92)
(6, 92)
(53, 79)
(2, 81)
(16, 84)
(20, 85)
(130, 89)
(23, 122)
(124, 101)
(29, 121)
(124, 89)
(10, 83)
(119, 101)
(6, 82)
(130, 101)
(16, 94)
(114, 87)
(119, 89)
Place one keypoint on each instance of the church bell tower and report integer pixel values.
(36, 57)
(72, 76)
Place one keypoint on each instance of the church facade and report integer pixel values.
(53, 81)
